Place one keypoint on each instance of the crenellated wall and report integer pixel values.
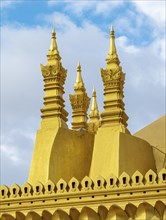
(127, 197)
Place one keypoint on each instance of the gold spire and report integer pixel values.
(113, 79)
(94, 122)
(53, 53)
(79, 85)
(94, 112)
(54, 77)
(112, 55)
(79, 102)
(53, 45)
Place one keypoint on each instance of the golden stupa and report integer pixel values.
(96, 170)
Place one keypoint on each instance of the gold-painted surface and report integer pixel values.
(131, 196)
(74, 171)
(54, 115)
(94, 118)
(79, 102)
(155, 134)
(113, 80)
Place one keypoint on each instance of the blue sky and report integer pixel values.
(83, 35)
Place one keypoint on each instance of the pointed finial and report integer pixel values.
(79, 81)
(112, 28)
(78, 66)
(53, 45)
(112, 42)
(94, 118)
(112, 55)
(94, 112)
(94, 92)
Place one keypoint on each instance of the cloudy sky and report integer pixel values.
(83, 35)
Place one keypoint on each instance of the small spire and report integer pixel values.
(94, 112)
(94, 92)
(112, 55)
(78, 66)
(79, 81)
(112, 42)
(53, 40)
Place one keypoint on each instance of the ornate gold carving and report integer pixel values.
(80, 102)
(56, 72)
(113, 80)
(109, 75)
(54, 77)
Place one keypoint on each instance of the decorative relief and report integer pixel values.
(150, 177)
(26, 189)
(4, 192)
(80, 102)
(49, 187)
(61, 186)
(137, 178)
(15, 190)
(162, 176)
(100, 183)
(38, 188)
(112, 75)
(124, 179)
(56, 72)
(73, 185)
(87, 184)
(111, 181)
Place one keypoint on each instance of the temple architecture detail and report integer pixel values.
(113, 80)
(94, 116)
(96, 170)
(79, 102)
(54, 77)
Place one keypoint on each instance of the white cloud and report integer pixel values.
(81, 6)
(153, 9)
(7, 3)
(11, 152)
(59, 20)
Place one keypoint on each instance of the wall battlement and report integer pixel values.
(129, 190)
(111, 183)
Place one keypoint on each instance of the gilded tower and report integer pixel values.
(120, 150)
(113, 80)
(79, 102)
(94, 117)
(95, 171)
(54, 78)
